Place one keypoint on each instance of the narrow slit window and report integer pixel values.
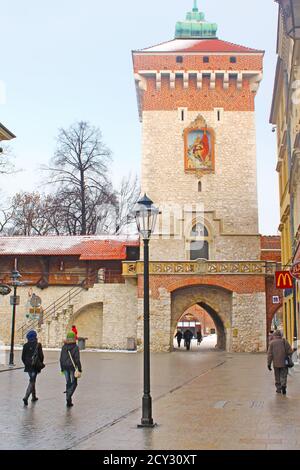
(199, 187)
(219, 115)
(206, 59)
(233, 60)
(179, 59)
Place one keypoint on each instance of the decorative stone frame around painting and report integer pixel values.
(198, 125)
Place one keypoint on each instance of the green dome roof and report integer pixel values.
(195, 26)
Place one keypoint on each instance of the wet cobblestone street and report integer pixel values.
(202, 399)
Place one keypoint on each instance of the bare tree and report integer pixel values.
(29, 214)
(6, 165)
(80, 168)
(127, 197)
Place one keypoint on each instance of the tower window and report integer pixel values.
(179, 59)
(199, 242)
(233, 60)
(199, 187)
(206, 59)
(182, 114)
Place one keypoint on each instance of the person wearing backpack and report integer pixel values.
(280, 354)
(33, 359)
(70, 365)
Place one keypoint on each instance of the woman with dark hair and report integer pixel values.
(33, 359)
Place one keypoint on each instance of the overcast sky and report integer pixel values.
(68, 60)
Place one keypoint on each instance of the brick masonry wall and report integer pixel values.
(195, 62)
(206, 99)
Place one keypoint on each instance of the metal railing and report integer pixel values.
(52, 309)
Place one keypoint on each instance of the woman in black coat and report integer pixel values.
(33, 359)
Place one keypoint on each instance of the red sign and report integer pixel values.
(284, 280)
(295, 271)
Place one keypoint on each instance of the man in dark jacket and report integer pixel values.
(278, 352)
(188, 335)
(33, 359)
(70, 357)
(179, 337)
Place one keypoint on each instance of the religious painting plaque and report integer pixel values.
(199, 148)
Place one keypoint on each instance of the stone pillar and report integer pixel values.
(249, 322)
(160, 322)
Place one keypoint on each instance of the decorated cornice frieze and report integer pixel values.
(201, 267)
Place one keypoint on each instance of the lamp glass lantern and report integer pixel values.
(290, 10)
(15, 277)
(146, 215)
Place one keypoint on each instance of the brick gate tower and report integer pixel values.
(196, 101)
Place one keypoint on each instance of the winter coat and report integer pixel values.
(188, 335)
(179, 335)
(278, 351)
(27, 353)
(65, 360)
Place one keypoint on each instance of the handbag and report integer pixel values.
(77, 374)
(36, 363)
(289, 362)
(288, 359)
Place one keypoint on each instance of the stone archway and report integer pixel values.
(89, 323)
(216, 301)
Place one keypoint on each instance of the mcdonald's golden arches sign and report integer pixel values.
(284, 280)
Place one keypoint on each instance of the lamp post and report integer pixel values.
(290, 10)
(15, 276)
(146, 214)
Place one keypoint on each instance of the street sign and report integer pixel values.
(35, 301)
(4, 289)
(284, 280)
(295, 271)
(15, 300)
(276, 299)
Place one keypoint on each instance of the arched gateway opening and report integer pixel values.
(214, 301)
(89, 323)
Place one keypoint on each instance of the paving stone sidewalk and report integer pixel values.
(202, 399)
(232, 406)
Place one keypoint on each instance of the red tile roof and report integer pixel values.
(200, 45)
(86, 247)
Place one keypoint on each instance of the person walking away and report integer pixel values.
(33, 360)
(199, 337)
(179, 336)
(188, 335)
(74, 329)
(70, 365)
(278, 353)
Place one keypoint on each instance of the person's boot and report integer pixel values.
(69, 403)
(27, 394)
(34, 397)
(283, 390)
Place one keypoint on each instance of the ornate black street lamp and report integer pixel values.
(14, 300)
(290, 10)
(146, 215)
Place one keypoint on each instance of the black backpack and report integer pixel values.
(35, 361)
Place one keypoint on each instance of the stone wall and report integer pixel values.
(228, 197)
(106, 314)
(249, 322)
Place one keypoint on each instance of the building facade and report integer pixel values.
(196, 101)
(285, 116)
(5, 134)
